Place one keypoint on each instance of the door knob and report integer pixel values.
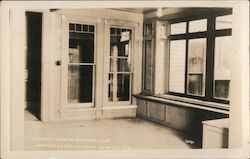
(58, 63)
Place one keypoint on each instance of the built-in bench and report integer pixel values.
(180, 115)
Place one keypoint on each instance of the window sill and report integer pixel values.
(187, 102)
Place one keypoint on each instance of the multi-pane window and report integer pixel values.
(148, 57)
(199, 57)
(81, 63)
(120, 64)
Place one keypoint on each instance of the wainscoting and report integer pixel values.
(180, 117)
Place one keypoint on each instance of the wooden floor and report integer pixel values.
(108, 134)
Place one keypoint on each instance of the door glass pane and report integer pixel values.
(80, 83)
(123, 87)
(196, 67)
(198, 25)
(177, 66)
(222, 67)
(178, 28)
(81, 48)
(148, 66)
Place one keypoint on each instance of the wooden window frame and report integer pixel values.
(65, 105)
(152, 39)
(210, 36)
(119, 24)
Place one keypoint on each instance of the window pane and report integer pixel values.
(80, 80)
(81, 48)
(111, 83)
(224, 22)
(123, 65)
(196, 66)
(198, 25)
(178, 28)
(91, 28)
(148, 29)
(222, 67)
(177, 66)
(123, 87)
(119, 45)
(85, 28)
(111, 65)
(72, 26)
(78, 27)
(148, 66)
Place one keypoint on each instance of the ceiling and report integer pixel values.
(169, 12)
(137, 10)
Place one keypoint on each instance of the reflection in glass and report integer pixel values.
(148, 29)
(119, 46)
(111, 82)
(222, 67)
(178, 28)
(123, 65)
(177, 66)
(111, 65)
(80, 84)
(198, 25)
(224, 22)
(148, 74)
(81, 48)
(196, 66)
(80, 63)
(195, 84)
(119, 64)
(123, 83)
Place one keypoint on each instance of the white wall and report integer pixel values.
(239, 85)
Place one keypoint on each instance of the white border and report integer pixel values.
(5, 109)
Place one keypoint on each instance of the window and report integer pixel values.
(196, 66)
(81, 63)
(148, 57)
(199, 54)
(177, 66)
(120, 66)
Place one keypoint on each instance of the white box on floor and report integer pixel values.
(215, 133)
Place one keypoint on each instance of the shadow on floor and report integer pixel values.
(35, 111)
(193, 141)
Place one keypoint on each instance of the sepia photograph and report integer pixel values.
(124, 79)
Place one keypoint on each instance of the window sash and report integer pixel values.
(210, 35)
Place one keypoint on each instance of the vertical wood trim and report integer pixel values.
(45, 85)
(167, 60)
(5, 66)
(18, 42)
(99, 67)
(239, 84)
